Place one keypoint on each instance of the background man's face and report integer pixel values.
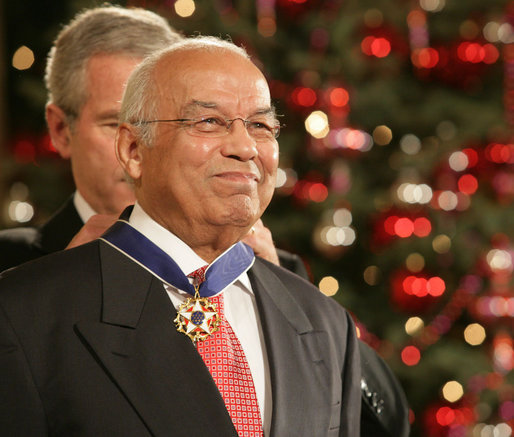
(217, 181)
(96, 171)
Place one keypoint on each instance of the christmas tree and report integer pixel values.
(395, 184)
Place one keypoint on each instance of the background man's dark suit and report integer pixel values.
(384, 407)
(111, 363)
(20, 245)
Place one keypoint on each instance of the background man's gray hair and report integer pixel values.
(107, 29)
(139, 100)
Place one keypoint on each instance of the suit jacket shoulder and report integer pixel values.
(19, 245)
(385, 408)
(312, 349)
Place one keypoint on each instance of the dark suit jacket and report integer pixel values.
(88, 348)
(384, 407)
(20, 245)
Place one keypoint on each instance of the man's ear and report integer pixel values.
(129, 151)
(59, 129)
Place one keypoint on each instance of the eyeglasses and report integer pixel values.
(213, 127)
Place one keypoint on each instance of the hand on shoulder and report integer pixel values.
(92, 229)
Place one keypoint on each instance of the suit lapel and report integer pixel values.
(157, 368)
(299, 378)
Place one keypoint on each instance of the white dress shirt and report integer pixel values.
(83, 208)
(240, 305)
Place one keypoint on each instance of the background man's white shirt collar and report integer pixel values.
(83, 208)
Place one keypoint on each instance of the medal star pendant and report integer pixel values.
(197, 318)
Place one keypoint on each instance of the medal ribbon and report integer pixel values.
(219, 275)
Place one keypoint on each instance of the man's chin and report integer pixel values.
(241, 211)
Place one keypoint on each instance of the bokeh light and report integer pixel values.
(21, 212)
(415, 262)
(329, 285)
(372, 275)
(468, 184)
(414, 193)
(458, 161)
(185, 8)
(447, 200)
(23, 58)
(342, 217)
(474, 334)
(410, 355)
(414, 325)
(339, 97)
(317, 124)
(382, 135)
(452, 391)
(441, 243)
(378, 47)
(499, 260)
(432, 5)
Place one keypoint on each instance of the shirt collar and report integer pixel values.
(83, 208)
(182, 254)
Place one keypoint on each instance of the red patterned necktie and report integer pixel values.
(225, 359)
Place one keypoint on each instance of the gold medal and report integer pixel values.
(197, 318)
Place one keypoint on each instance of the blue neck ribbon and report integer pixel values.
(219, 275)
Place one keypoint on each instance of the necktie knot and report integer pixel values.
(198, 275)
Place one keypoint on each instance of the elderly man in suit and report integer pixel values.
(169, 325)
(86, 72)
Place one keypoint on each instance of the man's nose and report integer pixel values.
(239, 144)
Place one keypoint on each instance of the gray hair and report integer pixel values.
(140, 99)
(106, 29)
